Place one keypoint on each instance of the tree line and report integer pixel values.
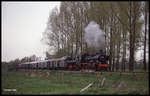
(125, 27)
(13, 64)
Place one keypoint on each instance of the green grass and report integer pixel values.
(72, 83)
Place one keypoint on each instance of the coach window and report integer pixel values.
(57, 63)
(44, 64)
(28, 66)
(48, 64)
(24, 65)
(36, 65)
(62, 63)
(52, 63)
(40, 65)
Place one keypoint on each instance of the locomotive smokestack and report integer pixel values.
(94, 36)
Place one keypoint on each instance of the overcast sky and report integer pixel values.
(22, 27)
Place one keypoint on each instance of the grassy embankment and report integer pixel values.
(72, 83)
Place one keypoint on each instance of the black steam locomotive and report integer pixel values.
(97, 62)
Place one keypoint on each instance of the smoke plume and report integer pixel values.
(94, 36)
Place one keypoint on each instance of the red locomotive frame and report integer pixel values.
(83, 66)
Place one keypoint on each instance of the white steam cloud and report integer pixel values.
(94, 36)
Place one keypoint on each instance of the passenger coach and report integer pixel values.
(45, 64)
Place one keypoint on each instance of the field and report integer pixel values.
(60, 82)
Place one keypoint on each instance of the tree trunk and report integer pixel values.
(118, 50)
(131, 58)
(124, 52)
(144, 61)
(110, 60)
